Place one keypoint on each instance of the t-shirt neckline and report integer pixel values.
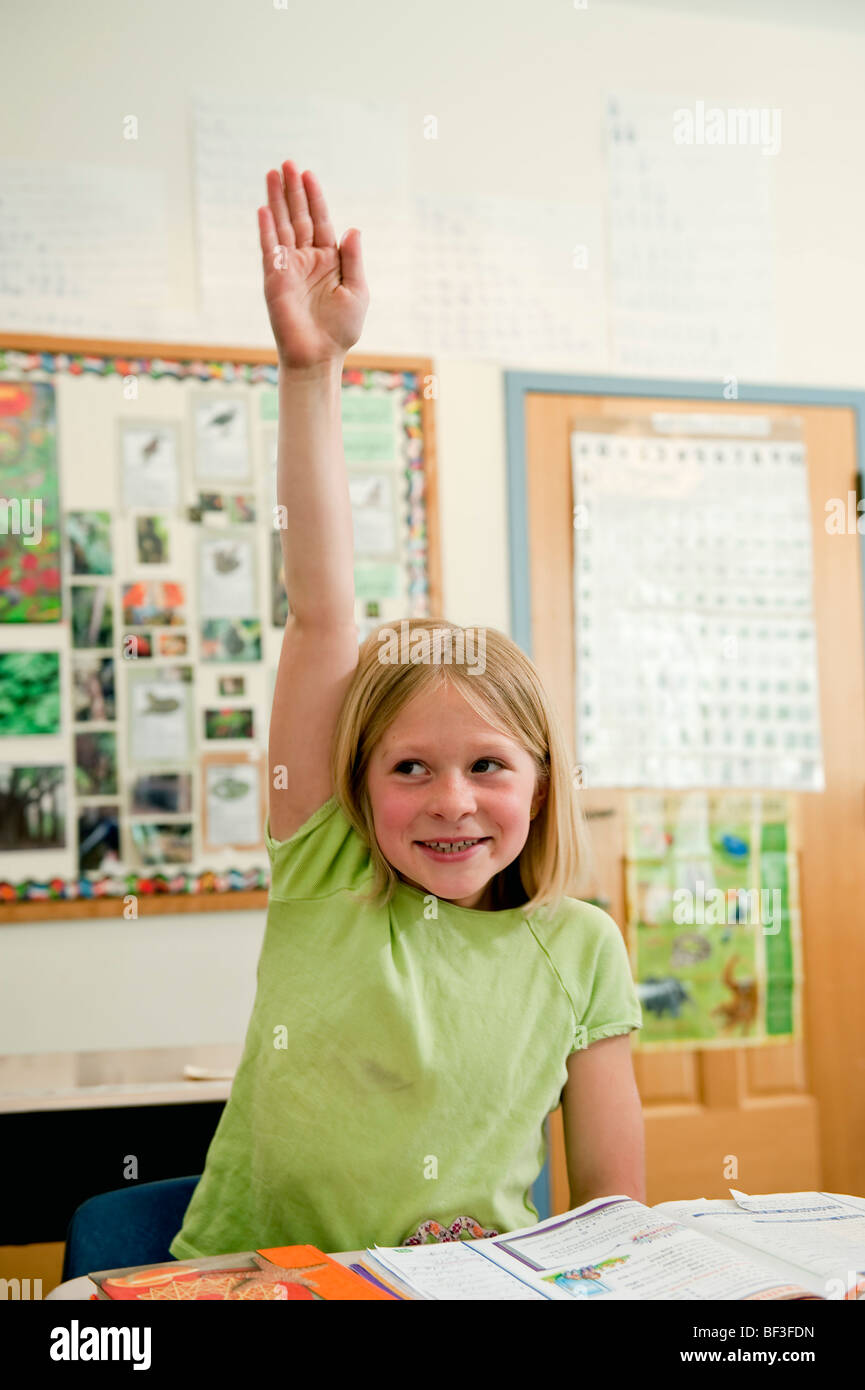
(475, 912)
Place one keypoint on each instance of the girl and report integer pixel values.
(427, 993)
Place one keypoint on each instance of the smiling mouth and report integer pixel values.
(450, 849)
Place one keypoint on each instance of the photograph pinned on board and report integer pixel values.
(150, 472)
(154, 603)
(30, 590)
(377, 579)
(154, 843)
(279, 609)
(92, 615)
(29, 693)
(98, 838)
(370, 620)
(231, 685)
(221, 435)
(137, 646)
(241, 509)
(212, 504)
(161, 793)
(159, 714)
(232, 797)
(226, 571)
(32, 806)
(88, 537)
(372, 509)
(228, 723)
(92, 689)
(96, 763)
(152, 542)
(371, 426)
(231, 639)
(171, 644)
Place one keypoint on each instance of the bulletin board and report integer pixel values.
(142, 606)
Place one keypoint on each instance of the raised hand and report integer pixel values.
(316, 293)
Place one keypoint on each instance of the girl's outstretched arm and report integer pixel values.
(317, 299)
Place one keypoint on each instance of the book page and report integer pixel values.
(817, 1238)
(616, 1248)
(450, 1270)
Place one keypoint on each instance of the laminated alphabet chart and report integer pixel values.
(696, 662)
(142, 605)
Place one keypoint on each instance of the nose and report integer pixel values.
(451, 797)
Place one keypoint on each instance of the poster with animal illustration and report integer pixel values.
(232, 799)
(713, 917)
(149, 454)
(221, 446)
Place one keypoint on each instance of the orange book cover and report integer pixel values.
(280, 1274)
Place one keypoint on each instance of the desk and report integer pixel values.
(82, 1287)
(91, 1106)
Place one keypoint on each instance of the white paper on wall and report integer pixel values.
(357, 150)
(497, 277)
(691, 238)
(82, 246)
(510, 278)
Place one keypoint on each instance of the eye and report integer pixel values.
(413, 762)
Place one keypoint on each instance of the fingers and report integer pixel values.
(351, 262)
(298, 207)
(279, 209)
(323, 233)
(267, 234)
(297, 210)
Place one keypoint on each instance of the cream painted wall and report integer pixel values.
(518, 89)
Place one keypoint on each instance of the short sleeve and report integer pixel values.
(611, 1004)
(324, 855)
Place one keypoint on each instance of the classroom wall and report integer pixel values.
(518, 90)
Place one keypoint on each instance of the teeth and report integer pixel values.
(450, 849)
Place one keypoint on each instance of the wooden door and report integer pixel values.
(792, 1114)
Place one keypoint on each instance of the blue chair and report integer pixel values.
(135, 1225)
(541, 1189)
(130, 1226)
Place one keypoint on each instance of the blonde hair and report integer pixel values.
(507, 693)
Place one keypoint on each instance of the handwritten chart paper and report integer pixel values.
(82, 246)
(237, 139)
(690, 244)
(510, 278)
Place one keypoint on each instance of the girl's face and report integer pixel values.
(441, 773)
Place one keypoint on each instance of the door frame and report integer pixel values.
(520, 384)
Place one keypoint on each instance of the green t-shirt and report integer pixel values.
(400, 1061)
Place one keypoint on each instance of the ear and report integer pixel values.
(538, 800)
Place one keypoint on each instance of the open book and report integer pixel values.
(791, 1245)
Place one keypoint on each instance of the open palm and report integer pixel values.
(316, 293)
